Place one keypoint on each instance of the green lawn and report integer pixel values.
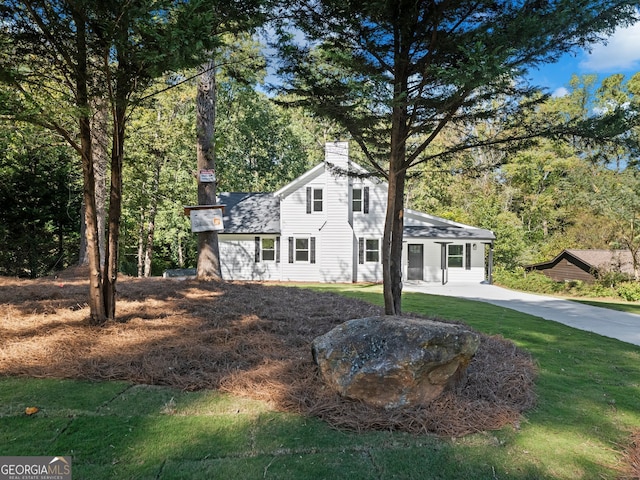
(589, 402)
(629, 307)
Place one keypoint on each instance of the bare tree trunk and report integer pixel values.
(140, 257)
(397, 234)
(392, 244)
(99, 141)
(115, 207)
(208, 249)
(153, 209)
(180, 253)
(96, 299)
(389, 302)
(394, 221)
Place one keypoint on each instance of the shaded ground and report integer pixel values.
(248, 339)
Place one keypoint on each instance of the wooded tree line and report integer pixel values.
(556, 194)
(432, 94)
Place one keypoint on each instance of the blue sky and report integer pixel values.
(621, 54)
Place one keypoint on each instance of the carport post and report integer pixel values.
(490, 263)
(443, 261)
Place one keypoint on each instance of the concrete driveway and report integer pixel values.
(603, 321)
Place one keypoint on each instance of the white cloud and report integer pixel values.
(621, 52)
(560, 92)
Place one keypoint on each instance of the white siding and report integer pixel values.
(337, 230)
(432, 263)
(297, 223)
(237, 259)
(337, 252)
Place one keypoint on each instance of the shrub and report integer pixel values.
(518, 279)
(537, 282)
(629, 291)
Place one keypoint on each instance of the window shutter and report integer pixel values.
(290, 249)
(312, 253)
(309, 199)
(467, 256)
(365, 200)
(277, 249)
(257, 250)
(361, 250)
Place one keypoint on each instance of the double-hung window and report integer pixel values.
(369, 250)
(302, 249)
(372, 250)
(267, 249)
(360, 200)
(357, 200)
(455, 257)
(314, 200)
(317, 199)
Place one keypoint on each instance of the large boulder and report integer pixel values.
(392, 361)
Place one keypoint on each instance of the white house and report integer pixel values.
(327, 227)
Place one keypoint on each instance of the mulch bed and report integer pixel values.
(248, 339)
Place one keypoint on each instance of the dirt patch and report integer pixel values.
(248, 339)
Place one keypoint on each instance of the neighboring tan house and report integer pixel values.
(327, 227)
(585, 265)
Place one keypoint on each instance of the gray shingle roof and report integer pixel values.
(250, 212)
(255, 213)
(451, 233)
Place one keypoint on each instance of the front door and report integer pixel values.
(416, 262)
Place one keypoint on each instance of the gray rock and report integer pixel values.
(392, 361)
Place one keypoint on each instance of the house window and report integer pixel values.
(317, 199)
(368, 250)
(268, 249)
(372, 253)
(314, 199)
(302, 249)
(360, 202)
(357, 200)
(455, 258)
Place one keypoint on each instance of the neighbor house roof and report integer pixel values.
(616, 260)
(250, 212)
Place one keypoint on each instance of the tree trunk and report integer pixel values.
(153, 209)
(394, 221)
(180, 253)
(389, 301)
(140, 257)
(99, 141)
(208, 249)
(392, 244)
(115, 207)
(397, 234)
(97, 314)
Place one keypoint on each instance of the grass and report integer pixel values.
(629, 307)
(588, 391)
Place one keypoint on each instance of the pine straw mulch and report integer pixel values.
(248, 339)
(631, 461)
